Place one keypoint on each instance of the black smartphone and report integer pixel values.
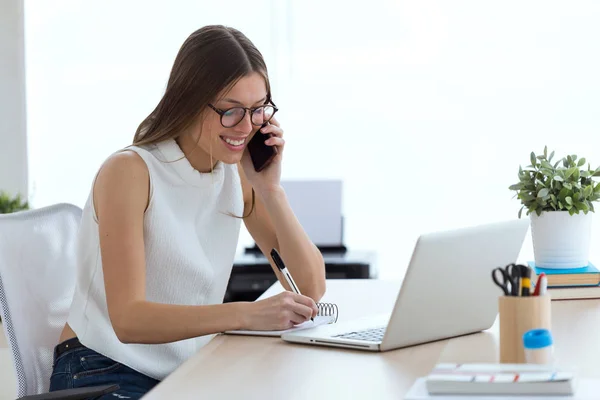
(261, 153)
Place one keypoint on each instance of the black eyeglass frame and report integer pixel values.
(246, 109)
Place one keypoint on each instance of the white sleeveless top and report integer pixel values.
(190, 241)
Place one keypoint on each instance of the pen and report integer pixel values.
(286, 274)
(543, 284)
(525, 280)
(538, 284)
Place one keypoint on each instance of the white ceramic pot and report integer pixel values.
(560, 240)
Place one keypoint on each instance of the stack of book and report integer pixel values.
(501, 381)
(565, 284)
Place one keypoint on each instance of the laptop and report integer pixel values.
(447, 291)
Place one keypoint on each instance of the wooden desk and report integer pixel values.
(232, 367)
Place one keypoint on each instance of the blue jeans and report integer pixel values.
(77, 366)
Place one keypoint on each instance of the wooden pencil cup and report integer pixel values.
(518, 315)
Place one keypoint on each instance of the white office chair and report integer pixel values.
(37, 280)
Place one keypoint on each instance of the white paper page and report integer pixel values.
(318, 207)
(320, 320)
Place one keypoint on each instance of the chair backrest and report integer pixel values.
(37, 280)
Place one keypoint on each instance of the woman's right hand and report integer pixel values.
(280, 312)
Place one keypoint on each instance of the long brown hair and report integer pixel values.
(211, 60)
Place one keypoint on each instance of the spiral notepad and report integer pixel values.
(327, 314)
(328, 310)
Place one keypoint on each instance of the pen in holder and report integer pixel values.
(517, 315)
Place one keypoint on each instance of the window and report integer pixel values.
(425, 109)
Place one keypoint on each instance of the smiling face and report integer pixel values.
(226, 144)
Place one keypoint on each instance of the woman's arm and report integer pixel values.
(273, 224)
(120, 199)
(121, 194)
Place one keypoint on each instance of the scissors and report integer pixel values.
(510, 279)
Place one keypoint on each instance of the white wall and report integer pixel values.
(432, 106)
(425, 109)
(95, 69)
(13, 137)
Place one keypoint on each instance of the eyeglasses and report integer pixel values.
(233, 116)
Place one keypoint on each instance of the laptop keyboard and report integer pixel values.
(369, 335)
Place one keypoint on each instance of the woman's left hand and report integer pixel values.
(269, 178)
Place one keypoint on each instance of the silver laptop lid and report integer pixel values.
(447, 290)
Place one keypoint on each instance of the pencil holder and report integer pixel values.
(518, 315)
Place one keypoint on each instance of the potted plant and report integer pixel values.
(559, 198)
(9, 204)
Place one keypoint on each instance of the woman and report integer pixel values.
(160, 228)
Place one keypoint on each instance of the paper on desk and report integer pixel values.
(318, 207)
(320, 320)
(585, 389)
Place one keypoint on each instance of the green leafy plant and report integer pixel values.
(9, 205)
(561, 186)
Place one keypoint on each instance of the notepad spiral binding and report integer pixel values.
(328, 309)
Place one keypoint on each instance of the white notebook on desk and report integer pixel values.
(319, 320)
(327, 314)
(501, 382)
(586, 389)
